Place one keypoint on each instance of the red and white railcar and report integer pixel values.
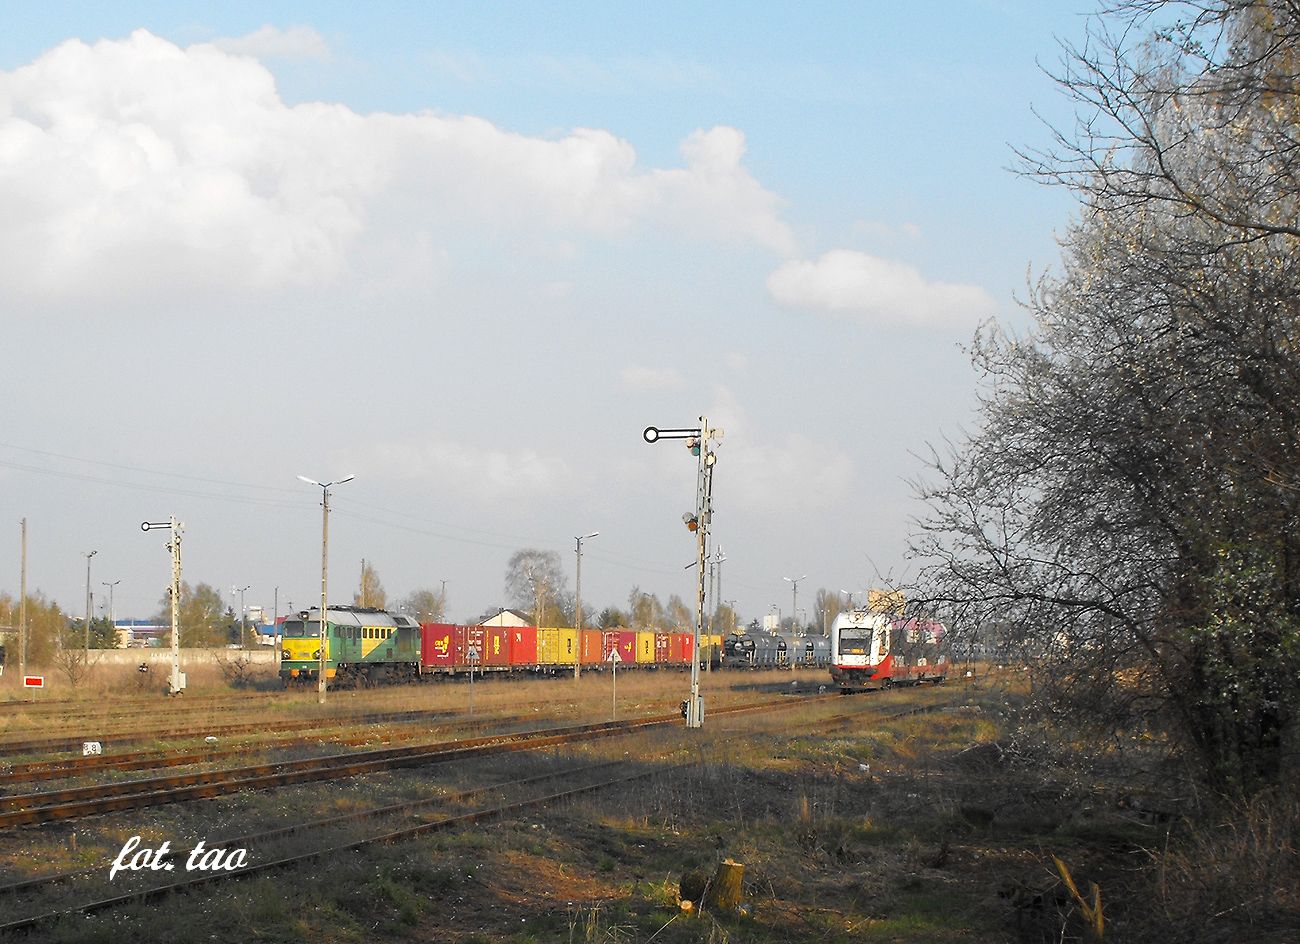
(873, 650)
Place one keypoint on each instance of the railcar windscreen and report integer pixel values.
(850, 641)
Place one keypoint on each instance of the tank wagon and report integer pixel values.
(755, 649)
(808, 651)
(366, 646)
(873, 650)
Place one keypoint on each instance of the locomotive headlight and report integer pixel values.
(285, 654)
(316, 655)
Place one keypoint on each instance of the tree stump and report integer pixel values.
(693, 885)
(727, 888)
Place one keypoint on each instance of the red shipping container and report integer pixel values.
(608, 643)
(442, 645)
(492, 643)
(678, 654)
(626, 645)
(663, 648)
(688, 647)
(593, 649)
(523, 645)
(498, 647)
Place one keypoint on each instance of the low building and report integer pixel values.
(506, 617)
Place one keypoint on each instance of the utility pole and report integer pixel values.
(715, 592)
(700, 441)
(112, 621)
(240, 591)
(794, 602)
(363, 581)
(577, 607)
(22, 609)
(324, 576)
(88, 557)
(177, 684)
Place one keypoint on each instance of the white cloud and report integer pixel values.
(736, 362)
(871, 289)
(139, 163)
(650, 379)
(295, 44)
(765, 473)
(886, 232)
(465, 469)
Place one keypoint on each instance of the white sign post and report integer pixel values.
(614, 659)
(471, 656)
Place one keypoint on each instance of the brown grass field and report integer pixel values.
(853, 823)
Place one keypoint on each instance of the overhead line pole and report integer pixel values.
(324, 576)
(22, 609)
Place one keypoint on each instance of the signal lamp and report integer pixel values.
(692, 523)
(693, 444)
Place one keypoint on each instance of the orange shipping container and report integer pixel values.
(593, 647)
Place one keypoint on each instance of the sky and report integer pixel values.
(467, 252)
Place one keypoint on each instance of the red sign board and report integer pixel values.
(34, 681)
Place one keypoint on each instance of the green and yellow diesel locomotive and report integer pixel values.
(363, 646)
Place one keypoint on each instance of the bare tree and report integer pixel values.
(535, 581)
(426, 606)
(371, 590)
(1128, 510)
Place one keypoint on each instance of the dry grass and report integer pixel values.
(937, 828)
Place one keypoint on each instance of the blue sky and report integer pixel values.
(467, 251)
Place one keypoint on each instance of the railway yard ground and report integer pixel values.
(531, 815)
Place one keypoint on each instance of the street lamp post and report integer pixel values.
(577, 608)
(112, 621)
(88, 556)
(324, 574)
(240, 591)
(794, 600)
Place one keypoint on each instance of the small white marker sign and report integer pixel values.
(614, 657)
(91, 748)
(471, 655)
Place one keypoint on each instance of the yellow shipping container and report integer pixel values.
(645, 647)
(566, 646)
(548, 646)
(556, 645)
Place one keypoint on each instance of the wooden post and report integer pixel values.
(726, 891)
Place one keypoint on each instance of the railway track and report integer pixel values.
(143, 736)
(288, 861)
(69, 767)
(50, 806)
(400, 809)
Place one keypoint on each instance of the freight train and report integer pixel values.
(874, 650)
(760, 649)
(367, 646)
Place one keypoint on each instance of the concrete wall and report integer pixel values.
(263, 655)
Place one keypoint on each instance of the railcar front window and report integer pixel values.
(855, 644)
(293, 630)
